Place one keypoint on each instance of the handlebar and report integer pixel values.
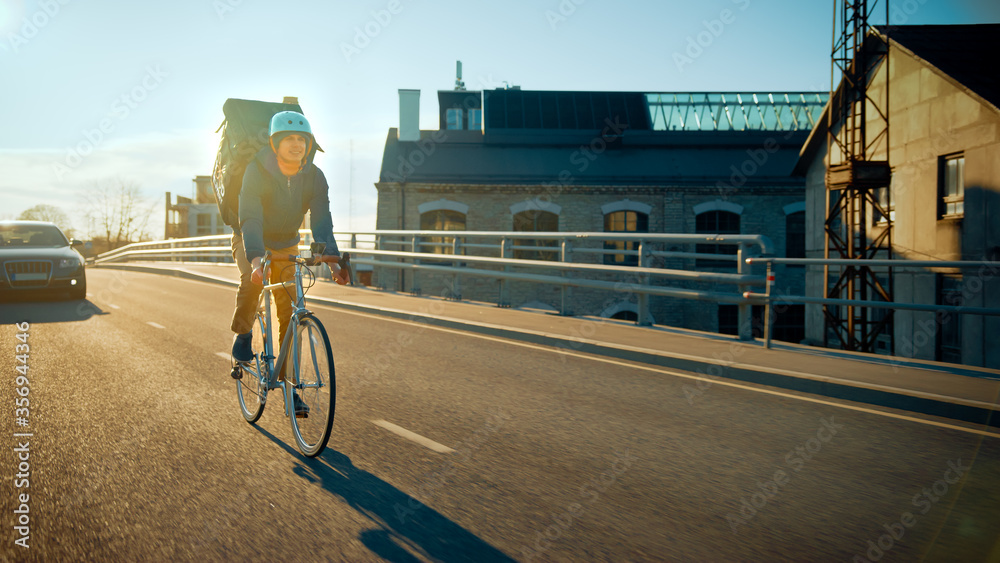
(346, 271)
(272, 256)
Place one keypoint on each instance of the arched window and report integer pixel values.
(721, 223)
(535, 220)
(441, 219)
(625, 216)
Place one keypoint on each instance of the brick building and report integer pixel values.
(519, 160)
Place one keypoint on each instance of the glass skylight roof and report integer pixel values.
(735, 111)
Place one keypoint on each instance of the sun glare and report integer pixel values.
(11, 14)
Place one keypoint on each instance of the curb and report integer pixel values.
(967, 412)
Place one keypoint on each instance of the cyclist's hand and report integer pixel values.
(339, 274)
(257, 277)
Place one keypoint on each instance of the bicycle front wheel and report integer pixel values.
(251, 389)
(315, 383)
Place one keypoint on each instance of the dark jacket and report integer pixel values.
(273, 205)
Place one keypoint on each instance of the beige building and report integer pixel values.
(195, 217)
(944, 150)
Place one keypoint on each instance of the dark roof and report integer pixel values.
(638, 158)
(534, 109)
(966, 53)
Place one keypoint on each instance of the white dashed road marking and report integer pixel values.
(155, 325)
(224, 355)
(414, 437)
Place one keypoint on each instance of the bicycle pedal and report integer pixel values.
(237, 373)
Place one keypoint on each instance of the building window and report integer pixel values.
(951, 179)
(789, 323)
(717, 222)
(453, 117)
(441, 220)
(729, 319)
(534, 220)
(624, 222)
(949, 336)
(795, 235)
(886, 198)
(475, 119)
(204, 224)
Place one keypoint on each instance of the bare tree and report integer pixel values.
(51, 213)
(116, 212)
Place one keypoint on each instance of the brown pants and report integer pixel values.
(248, 293)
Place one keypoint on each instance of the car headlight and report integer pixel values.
(69, 263)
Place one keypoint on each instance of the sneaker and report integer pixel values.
(242, 350)
(301, 409)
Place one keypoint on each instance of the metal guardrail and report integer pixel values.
(398, 249)
(380, 249)
(767, 299)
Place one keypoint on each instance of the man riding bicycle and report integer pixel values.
(279, 186)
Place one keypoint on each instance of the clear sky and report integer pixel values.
(154, 75)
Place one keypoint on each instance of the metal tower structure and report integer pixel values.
(858, 219)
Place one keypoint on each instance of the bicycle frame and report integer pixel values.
(271, 363)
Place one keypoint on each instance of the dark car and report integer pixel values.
(36, 257)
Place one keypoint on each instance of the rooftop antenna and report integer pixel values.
(459, 85)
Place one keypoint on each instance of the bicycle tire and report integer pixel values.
(315, 380)
(250, 390)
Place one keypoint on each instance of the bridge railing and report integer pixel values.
(987, 270)
(595, 260)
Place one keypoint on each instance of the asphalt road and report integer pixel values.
(137, 451)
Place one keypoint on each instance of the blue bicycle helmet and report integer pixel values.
(285, 123)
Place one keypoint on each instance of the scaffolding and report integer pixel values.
(858, 222)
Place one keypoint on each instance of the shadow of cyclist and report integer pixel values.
(427, 531)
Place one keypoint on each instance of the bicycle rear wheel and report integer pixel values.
(312, 360)
(252, 388)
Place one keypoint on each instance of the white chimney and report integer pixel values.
(409, 115)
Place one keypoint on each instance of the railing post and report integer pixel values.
(644, 317)
(505, 252)
(768, 310)
(565, 292)
(456, 250)
(745, 328)
(414, 283)
(376, 271)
